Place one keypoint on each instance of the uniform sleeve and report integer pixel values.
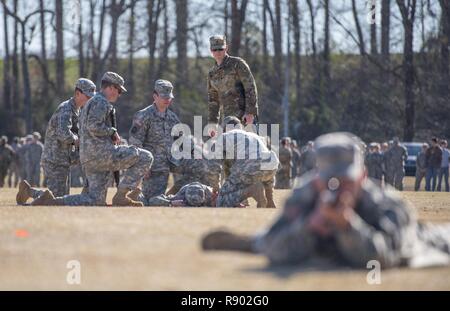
(96, 120)
(251, 93)
(362, 242)
(213, 103)
(138, 131)
(64, 124)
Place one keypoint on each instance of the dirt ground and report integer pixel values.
(159, 249)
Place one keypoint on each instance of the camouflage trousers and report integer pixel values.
(135, 161)
(14, 173)
(155, 185)
(395, 177)
(3, 172)
(33, 173)
(57, 178)
(242, 176)
(283, 180)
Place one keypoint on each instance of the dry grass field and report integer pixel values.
(159, 249)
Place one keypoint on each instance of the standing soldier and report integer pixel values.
(395, 159)
(152, 130)
(374, 163)
(421, 166)
(295, 159)
(308, 158)
(101, 154)
(283, 178)
(61, 138)
(14, 167)
(6, 157)
(33, 160)
(231, 86)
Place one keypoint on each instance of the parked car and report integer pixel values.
(410, 164)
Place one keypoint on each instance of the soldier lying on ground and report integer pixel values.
(339, 215)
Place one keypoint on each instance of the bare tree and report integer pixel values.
(373, 30)
(181, 38)
(238, 14)
(385, 28)
(361, 45)
(43, 60)
(81, 56)
(444, 39)
(408, 11)
(15, 97)
(6, 65)
(59, 57)
(24, 63)
(312, 16)
(154, 8)
(296, 25)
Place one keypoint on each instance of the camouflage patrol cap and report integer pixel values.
(339, 154)
(195, 195)
(164, 88)
(86, 86)
(114, 78)
(217, 42)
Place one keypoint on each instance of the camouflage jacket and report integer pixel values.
(395, 157)
(60, 134)
(7, 155)
(96, 130)
(286, 160)
(232, 87)
(151, 130)
(374, 163)
(33, 154)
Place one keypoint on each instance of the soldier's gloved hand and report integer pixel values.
(248, 119)
(116, 138)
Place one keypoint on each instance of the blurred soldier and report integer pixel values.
(61, 139)
(443, 171)
(421, 166)
(374, 163)
(192, 195)
(33, 160)
(21, 156)
(152, 130)
(101, 154)
(7, 155)
(434, 161)
(253, 168)
(384, 147)
(231, 86)
(283, 177)
(341, 216)
(394, 160)
(295, 158)
(191, 169)
(14, 167)
(308, 159)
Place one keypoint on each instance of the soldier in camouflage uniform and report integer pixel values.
(61, 139)
(374, 163)
(421, 166)
(394, 160)
(14, 167)
(307, 159)
(231, 86)
(295, 159)
(253, 167)
(283, 178)
(194, 194)
(191, 169)
(152, 130)
(7, 155)
(101, 153)
(340, 216)
(33, 160)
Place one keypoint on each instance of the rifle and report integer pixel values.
(114, 124)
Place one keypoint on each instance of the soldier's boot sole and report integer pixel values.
(134, 194)
(46, 199)
(121, 199)
(222, 240)
(24, 192)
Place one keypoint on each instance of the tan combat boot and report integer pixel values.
(47, 199)
(24, 192)
(269, 197)
(121, 198)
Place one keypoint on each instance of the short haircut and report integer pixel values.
(434, 140)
